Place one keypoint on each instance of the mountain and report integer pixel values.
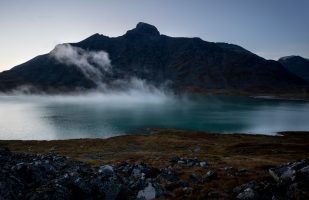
(296, 65)
(187, 64)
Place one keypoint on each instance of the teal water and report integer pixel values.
(101, 116)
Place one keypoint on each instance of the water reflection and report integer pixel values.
(101, 116)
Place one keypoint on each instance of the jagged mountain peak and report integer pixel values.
(145, 29)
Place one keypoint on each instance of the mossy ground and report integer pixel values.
(257, 153)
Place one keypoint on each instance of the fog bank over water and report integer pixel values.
(115, 98)
(82, 115)
(127, 91)
(102, 115)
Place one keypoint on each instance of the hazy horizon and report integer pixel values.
(270, 29)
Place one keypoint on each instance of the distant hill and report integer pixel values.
(187, 64)
(296, 65)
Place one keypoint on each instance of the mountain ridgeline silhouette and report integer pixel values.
(296, 65)
(183, 64)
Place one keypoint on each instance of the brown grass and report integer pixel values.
(254, 152)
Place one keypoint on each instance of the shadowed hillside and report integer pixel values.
(184, 64)
(296, 65)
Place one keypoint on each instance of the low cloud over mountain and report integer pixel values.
(182, 64)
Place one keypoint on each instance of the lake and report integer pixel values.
(105, 115)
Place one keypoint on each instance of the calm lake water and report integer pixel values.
(97, 115)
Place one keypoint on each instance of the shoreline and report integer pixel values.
(290, 96)
(150, 131)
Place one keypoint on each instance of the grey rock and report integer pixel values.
(247, 194)
(106, 170)
(242, 172)
(241, 188)
(147, 193)
(183, 184)
(213, 194)
(194, 177)
(175, 159)
(136, 173)
(304, 170)
(182, 162)
(203, 164)
(169, 175)
(210, 175)
(288, 175)
(290, 181)
(289, 171)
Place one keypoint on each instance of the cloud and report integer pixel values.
(93, 64)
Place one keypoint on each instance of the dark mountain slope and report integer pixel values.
(296, 65)
(43, 72)
(187, 63)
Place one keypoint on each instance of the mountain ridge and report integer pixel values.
(297, 65)
(143, 52)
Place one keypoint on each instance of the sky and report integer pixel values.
(268, 28)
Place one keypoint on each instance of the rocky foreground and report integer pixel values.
(201, 166)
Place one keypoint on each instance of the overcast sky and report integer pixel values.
(269, 28)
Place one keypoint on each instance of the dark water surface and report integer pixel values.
(96, 115)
